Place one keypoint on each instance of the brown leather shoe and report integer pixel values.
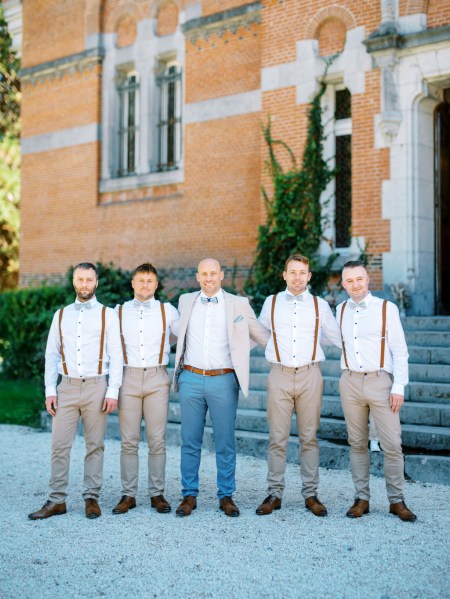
(92, 508)
(360, 507)
(186, 507)
(47, 510)
(402, 511)
(228, 506)
(270, 503)
(126, 503)
(160, 504)
(315, 506)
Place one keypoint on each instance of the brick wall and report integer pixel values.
(167, 19)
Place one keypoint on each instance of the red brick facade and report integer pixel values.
(230, 51)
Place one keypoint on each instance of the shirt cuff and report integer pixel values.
(398, 389)
(50, 391)
(112, 392)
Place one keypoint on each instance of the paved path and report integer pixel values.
(144, 554)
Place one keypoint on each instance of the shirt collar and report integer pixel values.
(89, 304)
(301, 297)
(367, 300)
(219, 295)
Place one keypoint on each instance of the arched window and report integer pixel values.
(128, 126)
(169, 120)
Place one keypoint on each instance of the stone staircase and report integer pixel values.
(425, 415)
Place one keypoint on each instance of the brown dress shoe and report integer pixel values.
(188, 504)
(315, 506)
(360, 507)
(126, 503)
(228, 506)
(402, 511)
(92, 508)
(47, 510)
(270, 503)
(160, 504)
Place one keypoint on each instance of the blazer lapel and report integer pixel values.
(229, 309)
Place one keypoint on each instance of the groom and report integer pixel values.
(212, 362)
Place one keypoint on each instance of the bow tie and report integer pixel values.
(79, 305)
(291, 298)
(209, 300)
(145, 305)
(354, 305)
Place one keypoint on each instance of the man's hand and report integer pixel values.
(51, 404)
(396, 402)
(109, 405)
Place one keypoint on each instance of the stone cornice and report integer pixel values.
(390, 41)
(63, 66)
(219, 23)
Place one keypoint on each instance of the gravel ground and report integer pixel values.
(145, 554)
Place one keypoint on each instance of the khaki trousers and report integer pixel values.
(290, 389)
(144, 394)
(361, 393)
(78, 397)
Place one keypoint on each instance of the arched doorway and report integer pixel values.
(442, 203)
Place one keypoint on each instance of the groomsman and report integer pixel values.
(83, 347)
(212, 362)
(375, 373)
(145, 327)
(298, 322)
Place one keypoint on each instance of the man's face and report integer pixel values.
(209, 276)
(144, 285)
(355, 281)
(297, 276)
(85, 283)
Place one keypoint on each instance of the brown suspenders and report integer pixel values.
(316, 330)
(383, 334)
(122, 339)
(61, 347)
(102, 341)
(163, 337)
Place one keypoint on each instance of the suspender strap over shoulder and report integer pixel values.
(102, 340)
(316, 330)
(272, 315)
(342, 336)
(122, 338)
(163, 338)
(61, 347)
(383, 334)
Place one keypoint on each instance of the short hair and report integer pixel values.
(354, 264)
(86, 266)
(145, 268)
(297, 258)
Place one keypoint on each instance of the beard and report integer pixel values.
(84, 296)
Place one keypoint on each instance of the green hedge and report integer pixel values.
(26, 316)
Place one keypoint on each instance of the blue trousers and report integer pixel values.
(219, 395)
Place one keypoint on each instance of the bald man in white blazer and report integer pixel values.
(212, 363)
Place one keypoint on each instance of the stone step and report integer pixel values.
(438, 373)
(432, 414)
(430, 438)
(427, 338)
(426, 323)
(417, 354)
(423, 468)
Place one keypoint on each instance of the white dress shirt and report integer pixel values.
(361, 329)
(207, 345)
(142, 329)
(295, 323)
(81, 332)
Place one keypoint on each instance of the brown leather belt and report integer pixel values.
(208, 372)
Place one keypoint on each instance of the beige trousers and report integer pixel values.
(290, 389)
(361, 393)
(144, 394)
(78, 397)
